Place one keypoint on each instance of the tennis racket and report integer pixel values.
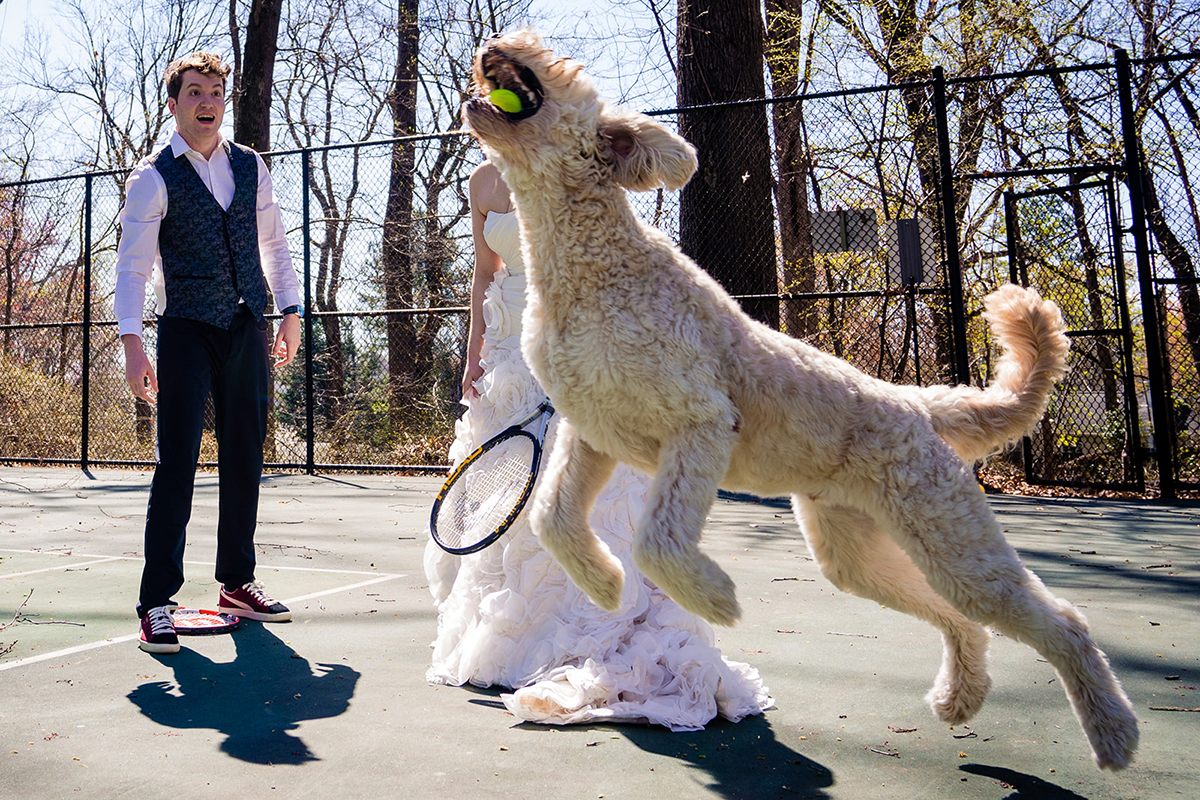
(482, 497)
(202, 622)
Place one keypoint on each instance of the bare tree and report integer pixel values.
(328, 94)
(1155, 87)
(29, 230)
(725, 213)
(254, 72)
(127, 46)
(789, 60)
(396, 261)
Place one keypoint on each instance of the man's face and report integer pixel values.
(199, 108)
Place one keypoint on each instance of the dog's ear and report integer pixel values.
(643, 153)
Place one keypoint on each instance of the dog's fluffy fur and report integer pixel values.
(652, 363)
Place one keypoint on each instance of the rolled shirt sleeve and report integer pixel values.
(137, 251)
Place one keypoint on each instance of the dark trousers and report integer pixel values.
(195, 358)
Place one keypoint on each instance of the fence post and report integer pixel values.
(1156, 362)
(85, 417)
(958, 313)
(309, 406)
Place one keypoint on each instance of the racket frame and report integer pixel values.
(517, 429)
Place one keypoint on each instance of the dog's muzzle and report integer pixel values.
(501, 72)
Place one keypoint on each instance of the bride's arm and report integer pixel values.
(482, 187)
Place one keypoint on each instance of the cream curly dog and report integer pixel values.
(652, 363)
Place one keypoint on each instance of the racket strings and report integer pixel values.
(487, 492)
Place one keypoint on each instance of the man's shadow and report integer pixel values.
(256, 700)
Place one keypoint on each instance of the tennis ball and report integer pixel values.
(505, 100)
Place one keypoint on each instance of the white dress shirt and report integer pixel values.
(138, 259)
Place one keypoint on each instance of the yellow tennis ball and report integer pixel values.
(505, 100)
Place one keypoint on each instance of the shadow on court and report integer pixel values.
(736, 761)
(257, 700)
(742, 760)
(1026, 787)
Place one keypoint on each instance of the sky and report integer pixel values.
(619, 79)
(12, 21)
(616, 39)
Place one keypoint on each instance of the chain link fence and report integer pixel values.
(1168, 130)
(826, 215)
(1057, 225)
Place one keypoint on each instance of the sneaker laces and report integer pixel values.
(258, 593)
(161, 620)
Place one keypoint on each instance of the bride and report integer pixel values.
(508, 615)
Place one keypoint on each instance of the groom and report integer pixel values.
(200, 219)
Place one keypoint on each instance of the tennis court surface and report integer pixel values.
(334, 703)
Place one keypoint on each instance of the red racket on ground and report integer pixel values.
(202, 622)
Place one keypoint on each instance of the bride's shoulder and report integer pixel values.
(489, 192)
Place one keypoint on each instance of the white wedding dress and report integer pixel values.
(509, 616)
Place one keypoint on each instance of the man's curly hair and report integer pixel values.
(202, 62)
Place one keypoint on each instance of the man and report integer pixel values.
(200, 219)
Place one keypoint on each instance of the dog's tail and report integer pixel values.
(1031, 331)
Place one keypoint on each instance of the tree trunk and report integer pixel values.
(252, 105)
(792, 165)
(725, 217)
(1095, 302)
(329, 268)
(397, 263)
(252, 95)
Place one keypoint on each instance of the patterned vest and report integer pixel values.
(209, 254)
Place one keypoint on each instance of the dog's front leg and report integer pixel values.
(574, 476)
(691, 466)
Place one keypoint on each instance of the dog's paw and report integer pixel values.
(1111, 726)
(963, 681)
(590, 565)
(1114, 750)
(696, 583)
(956, 703)
(603, 584)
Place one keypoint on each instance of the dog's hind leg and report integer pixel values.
(946, 527)
(860, 558)
(667, 543)
(574, 475)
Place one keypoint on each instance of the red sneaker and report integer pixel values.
(252, 602)
(158, 631)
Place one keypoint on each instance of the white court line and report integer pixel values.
(68, 651)
(380, 579)
(139, 558)
(68, 552)
(313, 569)
(120, 639)
(73, 565)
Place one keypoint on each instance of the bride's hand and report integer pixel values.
(472, 373)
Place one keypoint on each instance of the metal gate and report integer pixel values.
(1065, 241)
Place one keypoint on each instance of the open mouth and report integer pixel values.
(206, 117)
(512, 88)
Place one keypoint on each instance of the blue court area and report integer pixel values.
(335, 704)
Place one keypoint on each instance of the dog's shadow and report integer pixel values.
(742, 760)
(1026, 787)
(256, 700)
